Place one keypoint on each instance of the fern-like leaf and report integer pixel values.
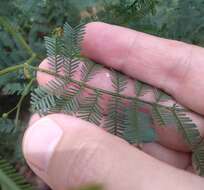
(70, 66)
(13, 88)
(185, 125)
(71, 48)
(160, 96)
(58, 86)
(42, 100)
(141, 88)
(55, 53)
(162, 116)
(116, 111)
(198, 159)
(137, 128)
(177, 116)
(90, 109)
(6, 127)
(69, 101)
(73, 38)
(88, 70)
(116, 116)
(119, 81)
(10, 179)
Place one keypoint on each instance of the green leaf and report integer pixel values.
(141, 88)
(14, 88)
(119, 81)
(70, 67)
(73, 38)
(10, 179)
(114, 122)
(55, 53)
(137, 128)
(177, 117)
(90, 108)
(161, 96)
(6, 127)
(69, 101)
(88, 70)
(198, 159)
(42, 100)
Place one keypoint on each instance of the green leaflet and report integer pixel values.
(198, 159)
(137, 128)
(69, 101)
(73, 38)
(6, 126)
(116, 117)
(141, 88)
(10, 140)
(185, 125)
(88, 70)
(177, 117)
(91, 110)
(10, 179)
(42, 101)
(16, 88)
(54, 53)
(160, 96)
(119, 81)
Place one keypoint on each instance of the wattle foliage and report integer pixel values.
(23, 26)
(123, 116)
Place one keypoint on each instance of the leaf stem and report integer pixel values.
(11, 69)
(17, 67)
(82, 84)
(24, 94)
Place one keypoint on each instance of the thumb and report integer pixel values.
(67, 152)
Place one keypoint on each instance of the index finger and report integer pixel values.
(173, 66)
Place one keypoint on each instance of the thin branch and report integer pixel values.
(11, 69)
(17, 67)
(85, 85)
(25, 93)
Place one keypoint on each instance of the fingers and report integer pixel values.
(68, 152)
(173, 66)
(168, 137)
(177, 159)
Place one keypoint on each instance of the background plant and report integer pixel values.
(25, 23)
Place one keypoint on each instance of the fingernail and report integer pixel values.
(39, 142)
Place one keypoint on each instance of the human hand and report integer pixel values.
(67, 152)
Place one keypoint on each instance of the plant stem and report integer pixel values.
(27, 66)
(31, 59)
(17, 67)
(82, 84)
(12, 110)
(11, 69)
(17, 36)
(24, 94)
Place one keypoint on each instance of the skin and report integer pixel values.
(87, 154)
